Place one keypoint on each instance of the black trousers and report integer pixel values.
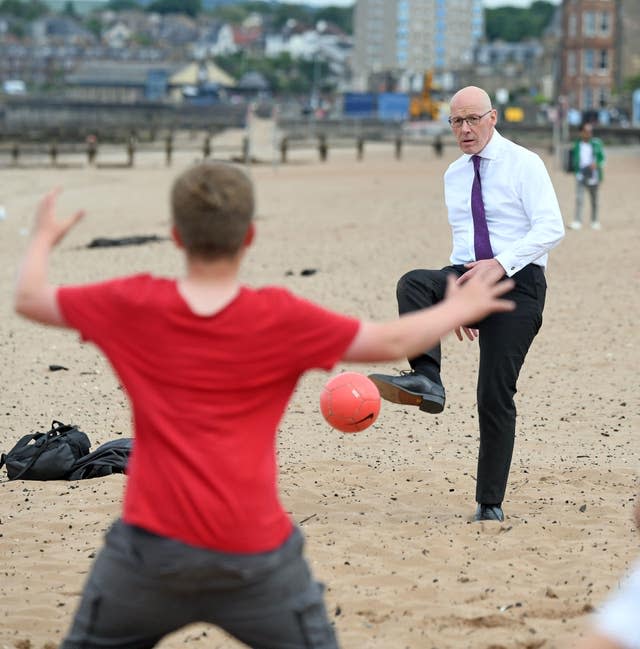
(504, 341)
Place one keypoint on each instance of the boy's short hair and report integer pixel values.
(212, 208)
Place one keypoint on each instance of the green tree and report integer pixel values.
(122, 5)
(514, 24)
(277, 14)
(631, 83)
(25, 10)
(93, 24)
(233, 14)
(190, 7)
(70, 10)
(340, 16)
(284, 74)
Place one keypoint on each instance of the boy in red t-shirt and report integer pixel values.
(203, 536)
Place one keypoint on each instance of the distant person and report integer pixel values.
(131, 149)
(168, 149)
(504, 218)
(284, 148)
(398, 147)
(438, 145)
(53, 153)
(323, 147)
(588, 160)
(209, 366)
(92, 148)
(617, 624)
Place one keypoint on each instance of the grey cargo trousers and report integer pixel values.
(143, 587)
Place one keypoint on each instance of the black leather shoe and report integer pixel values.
(489, 513)
(411, 389)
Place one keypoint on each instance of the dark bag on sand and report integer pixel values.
(110, 457)
(46, 456)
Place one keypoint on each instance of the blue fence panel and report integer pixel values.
(393, 106)
(359, 104)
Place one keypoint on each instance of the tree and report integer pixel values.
(30, 10)
(339, 16)
(514, 24)
(284, 73)
(190, 7)
(122, 5)
(277, 14)
(70, 10)
(631, 83)
(94, 25)
(233, 14)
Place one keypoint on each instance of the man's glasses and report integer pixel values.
(471, 120)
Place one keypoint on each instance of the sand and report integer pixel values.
(386, 512)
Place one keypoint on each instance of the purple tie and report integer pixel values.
(481, 241)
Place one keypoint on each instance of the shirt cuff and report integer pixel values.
(511, 267)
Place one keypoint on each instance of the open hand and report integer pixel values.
(478, 295)
(47, 225)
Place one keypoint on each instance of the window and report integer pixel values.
(589, 23)
(571, 64)
(605, 22)
(587, 99)
(572, 25)
(603, 97)
(587, 61)
(603, 60)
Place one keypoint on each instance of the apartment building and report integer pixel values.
(590, 53)
(406, 38)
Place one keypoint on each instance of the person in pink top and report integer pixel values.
(209, 366)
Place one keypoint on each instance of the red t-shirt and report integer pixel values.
(207, 394)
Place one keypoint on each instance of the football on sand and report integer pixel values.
(350, 402)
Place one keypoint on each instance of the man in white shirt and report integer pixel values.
(504, 218)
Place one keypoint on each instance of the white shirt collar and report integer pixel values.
(491, 148)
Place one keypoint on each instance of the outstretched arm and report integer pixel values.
(411, 334)
(35, 297)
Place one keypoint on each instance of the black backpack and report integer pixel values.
(46, 456)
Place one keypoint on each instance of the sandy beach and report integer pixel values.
(386, 512)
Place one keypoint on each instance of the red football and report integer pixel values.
(350, 402)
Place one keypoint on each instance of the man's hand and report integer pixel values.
(482, 277)
(491, 267)
(492, 271)
(470, 333)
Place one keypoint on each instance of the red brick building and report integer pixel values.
(590, 52)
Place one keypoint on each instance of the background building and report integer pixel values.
(590, 53)
(397, 41)
(629, 42)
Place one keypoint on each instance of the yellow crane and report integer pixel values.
(423, 105)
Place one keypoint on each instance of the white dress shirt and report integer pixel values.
(619, 618)
(521, 208)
